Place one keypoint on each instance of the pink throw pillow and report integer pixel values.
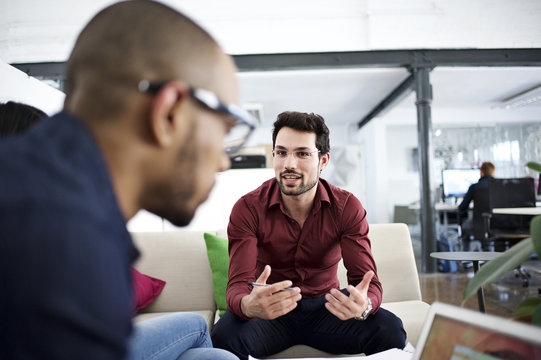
(145, 289)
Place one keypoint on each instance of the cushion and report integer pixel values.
(145, 288)
(219, 264)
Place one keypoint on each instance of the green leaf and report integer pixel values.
(535, 230)
(527, 308)
(494, 269)
(536, 319)
(534, 166)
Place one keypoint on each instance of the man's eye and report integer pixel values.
(303, 154)
(281, 153)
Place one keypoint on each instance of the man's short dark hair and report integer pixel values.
(16, 118)
(487, 168)
(311, 123)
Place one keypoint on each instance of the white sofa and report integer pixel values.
(180, 258)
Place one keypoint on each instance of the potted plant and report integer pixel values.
(494, 269)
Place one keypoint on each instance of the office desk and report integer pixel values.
(518, 211)
(440, 207)
(445, 209)
(473, 256)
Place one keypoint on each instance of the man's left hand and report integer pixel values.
(347, 307)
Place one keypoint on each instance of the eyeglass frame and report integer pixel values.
(212, 102)
(294, 153)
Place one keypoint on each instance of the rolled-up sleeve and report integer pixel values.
(356, 249)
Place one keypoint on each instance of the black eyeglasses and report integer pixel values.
(244, 122)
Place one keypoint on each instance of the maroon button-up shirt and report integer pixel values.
(261, 232)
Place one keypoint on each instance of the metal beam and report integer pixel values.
(423, 91)
(401, 91)
(389, 59)
(351, 59)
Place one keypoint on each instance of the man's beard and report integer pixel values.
(176, 198)
(298, 191)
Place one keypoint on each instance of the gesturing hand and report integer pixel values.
(347, 307)
(272, 301)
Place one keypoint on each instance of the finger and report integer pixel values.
(282, 310)
(336, 311)
(355, 294)
(282, 286)
(365, 283)
(262, 279)
(274, 306)
(336, 304)
(338, 295)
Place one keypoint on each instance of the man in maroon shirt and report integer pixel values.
(289, 236)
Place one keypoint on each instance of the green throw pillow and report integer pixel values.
(219, 264)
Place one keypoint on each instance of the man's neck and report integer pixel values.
(299, 206)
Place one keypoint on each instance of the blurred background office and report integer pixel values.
(473, 116)
(484, 64)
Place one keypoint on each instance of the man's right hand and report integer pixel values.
(272, 301)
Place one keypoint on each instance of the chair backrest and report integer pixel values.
(515, 192)
(480, 205)
(395, 261)
(509, 193)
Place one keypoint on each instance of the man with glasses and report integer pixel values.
(286, 239)
(148, 120)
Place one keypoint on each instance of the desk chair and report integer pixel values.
(503, 231)
(481, 213)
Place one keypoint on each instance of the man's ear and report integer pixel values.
(165, 104)
(324, 161)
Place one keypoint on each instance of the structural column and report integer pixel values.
(423, 91)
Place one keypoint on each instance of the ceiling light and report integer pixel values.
(522, 99)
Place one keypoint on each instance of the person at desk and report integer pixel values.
(292, 231)
(486, 172)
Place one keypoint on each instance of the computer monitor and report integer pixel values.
(457, 181)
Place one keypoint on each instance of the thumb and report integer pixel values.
(262, 279)
(365, 283)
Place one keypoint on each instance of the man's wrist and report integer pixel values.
(366, 312)
(243, 308)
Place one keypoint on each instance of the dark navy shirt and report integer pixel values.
(483, 182)
(65, 253)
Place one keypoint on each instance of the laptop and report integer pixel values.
(454, 333)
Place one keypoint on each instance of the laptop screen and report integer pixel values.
(470, 335)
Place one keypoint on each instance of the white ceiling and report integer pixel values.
(346, 96)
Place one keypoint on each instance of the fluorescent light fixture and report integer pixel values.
(522, 99)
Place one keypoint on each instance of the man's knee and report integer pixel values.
(391, 329)
(190, 320)
(224, 332)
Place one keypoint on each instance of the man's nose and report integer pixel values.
(291, 161)
(225, 163)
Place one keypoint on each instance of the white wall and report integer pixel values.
(214, 213)
(17, 86)
(402, 180)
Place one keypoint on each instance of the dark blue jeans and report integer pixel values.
(310, 323)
